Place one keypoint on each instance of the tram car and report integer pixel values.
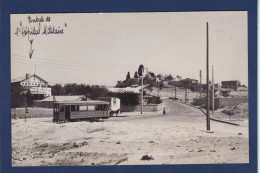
(77, 110)
(114, 104)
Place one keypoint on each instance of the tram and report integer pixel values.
(76, 110)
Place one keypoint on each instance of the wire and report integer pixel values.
(71, 63)
(81, 69)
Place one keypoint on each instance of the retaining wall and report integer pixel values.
(222, 102)
(146, 108)
(43, 104)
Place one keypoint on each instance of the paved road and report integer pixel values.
(175, 112)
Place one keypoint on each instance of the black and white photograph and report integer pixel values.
(129, 88)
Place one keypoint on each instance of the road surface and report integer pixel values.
(179, 137)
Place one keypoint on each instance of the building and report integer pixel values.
(188, 83)
(233, 84)
(176, 83)
(32, 84)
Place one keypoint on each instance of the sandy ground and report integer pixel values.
(179, 137)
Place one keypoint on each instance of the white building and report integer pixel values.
(33, 83)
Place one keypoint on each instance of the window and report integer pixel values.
(83, 108)
(100, 107)
(62, 109)
(91, 108)
(74, 108)
(56, 108)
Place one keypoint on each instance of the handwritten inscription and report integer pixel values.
(43, 26)
(36, 30)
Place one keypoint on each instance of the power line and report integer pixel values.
(69, 65)
(81, 69)
(76, 63)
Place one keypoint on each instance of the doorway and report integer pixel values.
(67, 112)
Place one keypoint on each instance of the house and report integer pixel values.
(33, 84)
(234, 84)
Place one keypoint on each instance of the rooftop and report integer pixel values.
(79, 102)
(65, 98)
(22, 78)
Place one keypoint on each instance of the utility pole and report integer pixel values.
(213, 92)
(185, 98)
(142, 90)
(200, 83)
(207, 104)
(142, 78)
(158, 89)
(175, 92)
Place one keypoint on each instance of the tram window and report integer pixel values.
(62, 109)
(74, 108)
(100, 107)
(56, 108)
(83, 108)
(91, 108)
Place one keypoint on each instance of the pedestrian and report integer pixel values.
(164, 112)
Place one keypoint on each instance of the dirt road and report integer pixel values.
(179, 137)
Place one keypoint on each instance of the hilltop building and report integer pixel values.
(234, 84)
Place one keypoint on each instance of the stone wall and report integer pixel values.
(43, 104)
(146, 108)
(222, 102)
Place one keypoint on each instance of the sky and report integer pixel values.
(100, 48)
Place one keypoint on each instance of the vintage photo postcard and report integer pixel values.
(139, 88)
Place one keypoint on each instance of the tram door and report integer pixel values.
(67, 112)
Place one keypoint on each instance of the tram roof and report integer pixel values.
(79, 102)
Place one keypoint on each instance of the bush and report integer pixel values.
(126, 98)
(154, 100)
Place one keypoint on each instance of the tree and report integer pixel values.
(169, 77)
(159, 76)
(136, 75)
(57, 90)
(141, 70)
(178, 77)
(127, 76)
(126, 98)
(152, 74)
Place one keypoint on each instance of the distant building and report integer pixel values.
(233, 84)
(33, 84)
(189, 83)
(175, 83)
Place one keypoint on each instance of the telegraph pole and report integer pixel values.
(142, 90)
(142, 78)
(175, 92)
(200, 83)
(213, 92)
(207, 104)
(185, 101)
